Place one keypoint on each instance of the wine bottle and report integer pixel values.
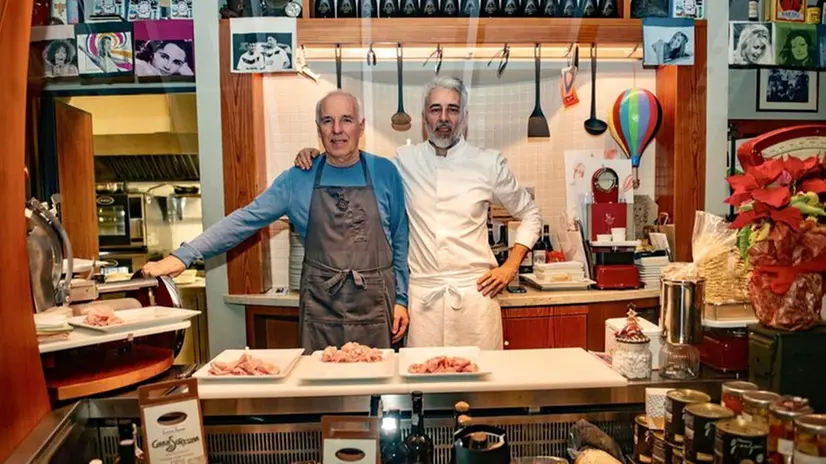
(449, 8)
(392, 446)
(324, 9)
(418, 445)
(538, 252)
(502, 256)
(429, 8)
(526, 266)
(546, 239)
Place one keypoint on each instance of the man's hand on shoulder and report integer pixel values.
(169, 266)
(304, 159)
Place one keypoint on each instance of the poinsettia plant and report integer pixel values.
(780, 236)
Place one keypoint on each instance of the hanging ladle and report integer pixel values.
(593, 125)
(401, 120)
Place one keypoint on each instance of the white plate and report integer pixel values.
(565, 285)
(408, 356)
(284, 359)
(627, 243)
(141, 317)
(316, 371)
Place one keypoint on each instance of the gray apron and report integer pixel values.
(348, 286)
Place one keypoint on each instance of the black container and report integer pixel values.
(700, 428)
(590, 9)
(512, 9)
(469, 8)
(737, 441)
(614, 258)
(789, 362)
(388, 9)
(497, 450)
(531, 8)
(675, 403)
(408, 8)
(570, 8)
(643, 441)
(449, 8)
(346, 8)
(490, 9)
(664, 452)
(551, 9)
(429, 8)
(608, 9)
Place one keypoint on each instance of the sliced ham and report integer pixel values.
(444, 365)
(243, 366)
(102, 316)
(351, 352)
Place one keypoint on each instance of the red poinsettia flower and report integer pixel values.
(799, 168)
(768, 183)
(790, 216)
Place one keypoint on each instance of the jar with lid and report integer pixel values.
(732, 394)
(632, 356)
(679, 361)
(756, 406)
(782, 414)
(810, 439)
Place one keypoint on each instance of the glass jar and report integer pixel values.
(782, 414)
(732, 395)
(632, 360)
(810, 439)
(756, 406)
(679, 362)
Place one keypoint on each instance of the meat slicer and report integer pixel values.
(57, 288)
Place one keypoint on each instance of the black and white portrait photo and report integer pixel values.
(649, 8)
(108, 8)
(688, 9)
(56, 52)
(750, 44)
(795, 45)
(164, 50)
(821, 34)
(668, 41)
(263, 45)
(787, 90)
(180, 9)
(144, 10)
(104, 49)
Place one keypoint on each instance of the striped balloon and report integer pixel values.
(634, 122)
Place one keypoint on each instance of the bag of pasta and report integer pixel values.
(716, 260)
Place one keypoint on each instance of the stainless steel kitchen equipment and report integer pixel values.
(681, 312)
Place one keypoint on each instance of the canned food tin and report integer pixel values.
(732, 396)
(700, 420)
(675, 403)
(782, 414)
(666, 453)
(756, 406)
(738, 441)
(810, 439)
(643, 440)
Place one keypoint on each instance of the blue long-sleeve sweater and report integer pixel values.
(290, 195)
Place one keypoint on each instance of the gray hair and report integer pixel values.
(352, 97)
(450, 83)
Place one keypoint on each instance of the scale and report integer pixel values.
(798, 141)
(613, 262)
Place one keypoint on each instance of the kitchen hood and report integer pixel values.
(159, 157)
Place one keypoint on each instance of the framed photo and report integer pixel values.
(694, 9)
(104, 49)
(821, 34)
(108, 9)
(164, 50)
(667, 41)
(789, 10)
(263, 45)
(180, 9)
(144, 10)
(788, 90)
(54, 52)
(650, 8)
(796, 45)
(751, 44)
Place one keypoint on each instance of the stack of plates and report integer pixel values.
(296, 260)
(650, 270)
(570, 271)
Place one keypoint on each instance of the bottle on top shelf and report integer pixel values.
(418, 445)
(392, 447)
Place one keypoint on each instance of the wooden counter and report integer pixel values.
(533, 320)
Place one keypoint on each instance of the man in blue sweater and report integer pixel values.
(349, 210)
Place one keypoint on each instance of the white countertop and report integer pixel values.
(532, 297)
(517, 370)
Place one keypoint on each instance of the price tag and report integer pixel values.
(173, 431)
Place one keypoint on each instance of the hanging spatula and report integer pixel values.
(537, 124)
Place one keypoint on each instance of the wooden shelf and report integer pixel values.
(476, 31)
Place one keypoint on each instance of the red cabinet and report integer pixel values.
(545, 327)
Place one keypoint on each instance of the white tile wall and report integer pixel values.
(499, 111)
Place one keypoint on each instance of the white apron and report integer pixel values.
(451, 312)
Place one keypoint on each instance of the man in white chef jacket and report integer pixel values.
(448, 186)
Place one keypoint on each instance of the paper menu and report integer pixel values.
(580, 166)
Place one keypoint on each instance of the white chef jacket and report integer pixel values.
(447, 200)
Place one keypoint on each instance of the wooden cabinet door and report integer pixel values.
(568, 327)
(526, 333)
(270, 327)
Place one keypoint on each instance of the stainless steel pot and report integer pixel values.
(681, 310)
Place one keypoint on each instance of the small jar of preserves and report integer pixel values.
(732, 395)
(756, 406)
(782, 414)
(810, 439)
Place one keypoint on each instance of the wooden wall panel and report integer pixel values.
(23, 399)
(76, 172)
(245, 167)
(681, 142)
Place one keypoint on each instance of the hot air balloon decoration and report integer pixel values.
(634, 121)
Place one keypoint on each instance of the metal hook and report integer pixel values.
(636, 47)
(503, 55)
(371, 56)
(338, 66)
(438, 54)
(568, 51)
